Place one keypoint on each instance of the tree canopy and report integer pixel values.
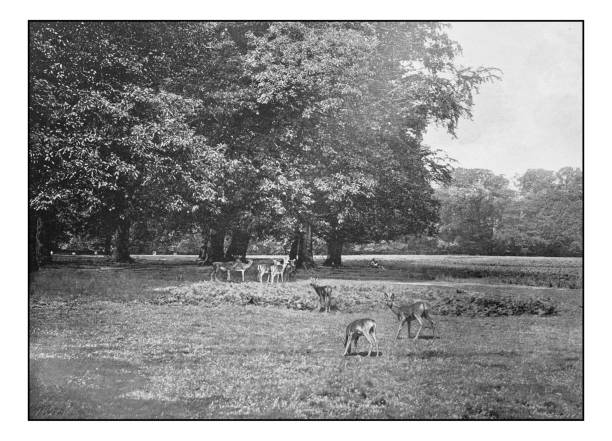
(242, 128)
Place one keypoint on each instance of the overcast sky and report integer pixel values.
(532, 118)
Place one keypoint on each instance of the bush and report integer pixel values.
(483, 306)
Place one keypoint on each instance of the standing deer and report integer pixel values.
(222, 266)
(407, 313)
(365, 327)
(242, 267)
(266, 268)
(291, 269)
(324, 293)
(278, 270)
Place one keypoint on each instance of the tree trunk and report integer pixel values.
(32, 258)
(108, 244)
(121, 252)
(238, 245)
(214, 245)
(334, 251)
(301, 249)
(41, 242)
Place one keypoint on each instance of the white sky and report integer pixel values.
(532, 118)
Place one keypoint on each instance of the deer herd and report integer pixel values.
(419, 311)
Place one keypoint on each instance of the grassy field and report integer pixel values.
(158, 340)
(557, 272)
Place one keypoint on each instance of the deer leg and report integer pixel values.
(433, 326)
(409, 323)
(243, 276)
(354, 342)
(399, 329)
(373, 334)
(349, 343)
(369, 339)
(418, 319)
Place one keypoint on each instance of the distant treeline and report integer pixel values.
(481, 213)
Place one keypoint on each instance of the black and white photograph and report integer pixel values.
(305, 220)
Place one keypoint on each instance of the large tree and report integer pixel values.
(108, 140)
(348, 105)
(244, 128)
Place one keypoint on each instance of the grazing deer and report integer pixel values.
(241, 267)
(407, 313)
(365, 327)
(324, 293)
(265, 268)
(223, 266)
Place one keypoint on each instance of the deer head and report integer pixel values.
(389, 299)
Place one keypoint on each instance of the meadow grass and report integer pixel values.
(161, 341)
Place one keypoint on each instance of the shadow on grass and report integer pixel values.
(421, 337)
(365, 354)
(461, 355)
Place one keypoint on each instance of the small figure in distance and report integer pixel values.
(374, 264)
(361, 327)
